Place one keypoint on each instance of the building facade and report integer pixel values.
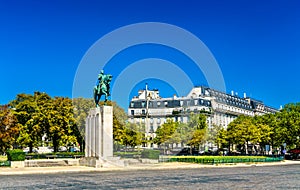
(150, 109)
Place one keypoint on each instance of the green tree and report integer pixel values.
(242, 131)
(132, 135)
(29, 110)
(9, 130)
(184, 133)
(165, 133)
(222, 139)
(212, 133)
(264, 125)
(198, 130)
(81, 107)
(41, 116)
(61, 127)
(288, 125)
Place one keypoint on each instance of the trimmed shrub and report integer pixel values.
(4, 163)
(128, 154)
(15, 155)
(151, 154)
(222, 159)
(56, 155)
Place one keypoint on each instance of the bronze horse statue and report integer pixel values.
(102, 88)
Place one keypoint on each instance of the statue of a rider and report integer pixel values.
(102, 87)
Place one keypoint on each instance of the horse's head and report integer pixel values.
(109, 77)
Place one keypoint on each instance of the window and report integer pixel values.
(143, 112)
(187, 103)
(132, 112)
(158, 104)
(132, 104)
(150, 104)
(151, 129)
(158, 120)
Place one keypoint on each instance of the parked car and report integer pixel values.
(62, 149)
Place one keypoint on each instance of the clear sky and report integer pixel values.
(255, 43)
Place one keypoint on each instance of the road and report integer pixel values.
(253, 177)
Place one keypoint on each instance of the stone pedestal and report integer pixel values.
(99, 133)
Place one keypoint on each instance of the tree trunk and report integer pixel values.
(30, 148)
(55, 144)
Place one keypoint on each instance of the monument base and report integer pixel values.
(91, 162)
(99, 133)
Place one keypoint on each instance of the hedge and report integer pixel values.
(220, 159)
(151, 154)
(127, 154)
(56, 155)
(4, 163)
(15, 155)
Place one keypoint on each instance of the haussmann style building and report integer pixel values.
(150, 109)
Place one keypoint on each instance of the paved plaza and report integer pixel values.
(160, 176)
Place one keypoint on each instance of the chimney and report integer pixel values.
(232, 93)
(245, 96)
(146, 91)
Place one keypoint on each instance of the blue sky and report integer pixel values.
(256, 44)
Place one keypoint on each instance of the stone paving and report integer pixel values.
(164, 176)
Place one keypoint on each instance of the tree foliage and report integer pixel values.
(44, 118)
(9, 130)
(132, 135)
(197, 130)
(269, 129)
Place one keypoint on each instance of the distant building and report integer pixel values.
(220, 108)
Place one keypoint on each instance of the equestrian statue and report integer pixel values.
(102, 87)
